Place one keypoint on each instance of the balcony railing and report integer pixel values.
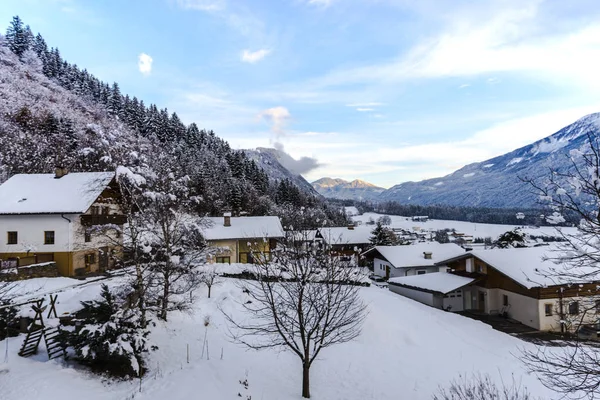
(90, 220)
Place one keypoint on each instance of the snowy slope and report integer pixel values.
(405, 351)
(495, 182)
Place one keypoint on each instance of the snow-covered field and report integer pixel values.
(405, 351)
(468, 228)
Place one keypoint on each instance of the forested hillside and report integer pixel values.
(55, 113)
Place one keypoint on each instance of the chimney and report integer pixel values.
(59, 172)
(227, 219)
(427, 255)
(351, 227)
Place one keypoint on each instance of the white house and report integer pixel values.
(235, 238)
(519, 283)
(415, 259)
(45, 217)
(347, 241)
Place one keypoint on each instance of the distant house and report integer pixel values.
(416, 259)
(235, 238)
(509, 282)
(348, 241)
(420, 218)
(46, 217)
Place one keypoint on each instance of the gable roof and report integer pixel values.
(412, 255)
(342, 235)
(526, 266)
(243, 228)
(74, 193)
(440, 282)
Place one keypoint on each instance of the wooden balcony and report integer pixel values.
(90, 220)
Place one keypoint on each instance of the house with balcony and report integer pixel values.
(48, 218)
(520, 284)
(235, 239)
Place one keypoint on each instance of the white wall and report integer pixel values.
(379, 266)
(421, 297)
(551, 323)
(31, 229)
(411, 271)
(522, 308)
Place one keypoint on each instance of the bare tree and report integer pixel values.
(303, 300)
(210, 277)
(573, 369)
(481, 387)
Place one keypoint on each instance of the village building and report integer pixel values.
(235, 239)
(406, 260)
(348, 242)
(513, 283)
(46, 218)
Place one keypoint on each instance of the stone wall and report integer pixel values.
(41, 270)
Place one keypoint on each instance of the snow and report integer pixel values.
(351, 211)
(243, 228)
(442, 282)
(468, 228)
(470, 174)
(525, 265)
(488, 165)
(438, 184)
(406, 350)
(412, 255)
(343, 235)
(515, 160)
(43, 194)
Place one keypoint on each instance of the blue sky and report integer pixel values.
(382, 90)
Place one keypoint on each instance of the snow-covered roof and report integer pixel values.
(243, 228)
(412, 255)
(442, 282)
(343, 235)
(44, 194)
(524, 265)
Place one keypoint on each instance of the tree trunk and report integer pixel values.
(306, 381)
(209, 286)
(165, 299)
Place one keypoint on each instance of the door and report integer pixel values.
(481, 302)
(103, 259)
(387, 272)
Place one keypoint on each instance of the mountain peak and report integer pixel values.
(341, 189)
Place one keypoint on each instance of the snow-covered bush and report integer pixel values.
(8, 319)
(110, 338)
(481, 387)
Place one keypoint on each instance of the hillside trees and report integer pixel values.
(300, 302)
(383, 236)
(62, 114)
(573, 370)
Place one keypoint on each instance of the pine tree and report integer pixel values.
(382, 236)
(17, 36)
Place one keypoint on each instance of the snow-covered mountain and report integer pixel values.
(340, 189)
(270, 160)
(496, 182)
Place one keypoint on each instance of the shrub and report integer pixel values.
(482, 388)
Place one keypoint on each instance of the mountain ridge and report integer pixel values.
(341, 189)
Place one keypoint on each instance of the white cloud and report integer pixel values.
(201, 5)
(464, 85)
(368, 104)
(515, 37)
(321, 3)
(278, 117)
(254, 56)
(364, 109)
(145, 64)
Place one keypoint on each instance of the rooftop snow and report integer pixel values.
(412, 255)
(343, 235)
(44, 194)
(522, 264)
(442, 282)
(243, 228)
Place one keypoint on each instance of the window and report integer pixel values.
(421, 272)
(504, 300)
(90, 258)
(48, 237)
(105, 210)
(548, 309)
(87, 236)
(223, 260)
(12, 238)
(574, 308)
(479, 268)
(95, 210)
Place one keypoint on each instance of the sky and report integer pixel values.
(385, 91)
